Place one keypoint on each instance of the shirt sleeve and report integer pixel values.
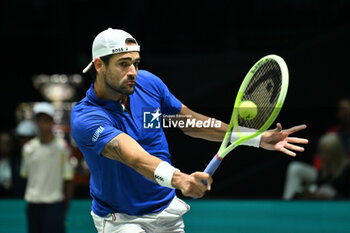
(169, 103)
(93, 130)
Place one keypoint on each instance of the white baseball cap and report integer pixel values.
(111, 41)
(44, 107)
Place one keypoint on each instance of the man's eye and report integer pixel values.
(124, 64)
(136, 64)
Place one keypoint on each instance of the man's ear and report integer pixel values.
(99, 65)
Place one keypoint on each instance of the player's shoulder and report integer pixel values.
(149, 80)
(84, 106)
(86, 115)
(148, 77)
(84, 110)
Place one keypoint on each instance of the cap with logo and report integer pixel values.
(44, 107)
(111, 41)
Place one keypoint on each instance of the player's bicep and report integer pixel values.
(112, 149)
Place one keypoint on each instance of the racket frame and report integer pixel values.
(224, 150)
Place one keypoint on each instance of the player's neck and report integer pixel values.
(102, 92)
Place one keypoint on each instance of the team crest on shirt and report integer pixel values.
(152, 119)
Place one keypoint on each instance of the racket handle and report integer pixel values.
(212, 166)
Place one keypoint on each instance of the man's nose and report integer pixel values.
(133, 70)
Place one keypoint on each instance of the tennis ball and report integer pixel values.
(247, 110)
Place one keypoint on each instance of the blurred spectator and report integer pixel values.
(305, 174)
(25, 131)
(49, 175)
(342, 128)
(330, 182)
(6, 152)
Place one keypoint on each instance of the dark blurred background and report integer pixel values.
(202, 50)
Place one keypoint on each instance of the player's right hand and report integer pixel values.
(192, 185)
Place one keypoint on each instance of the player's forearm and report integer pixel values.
(214, 131)
(126, 150)
(210, 134)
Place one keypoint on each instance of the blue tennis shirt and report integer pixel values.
(114, 186)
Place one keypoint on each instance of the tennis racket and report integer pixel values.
(266, 85)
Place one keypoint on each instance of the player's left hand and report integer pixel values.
(279, 140)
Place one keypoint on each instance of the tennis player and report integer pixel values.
(132, 180)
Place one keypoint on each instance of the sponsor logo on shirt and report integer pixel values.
(97, 133)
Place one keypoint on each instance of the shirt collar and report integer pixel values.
(108, 104)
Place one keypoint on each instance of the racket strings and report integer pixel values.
(263, 89)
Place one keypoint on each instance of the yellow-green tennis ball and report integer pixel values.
(247, 110)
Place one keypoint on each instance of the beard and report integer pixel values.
(122, 88)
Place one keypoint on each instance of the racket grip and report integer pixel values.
(212, 166)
